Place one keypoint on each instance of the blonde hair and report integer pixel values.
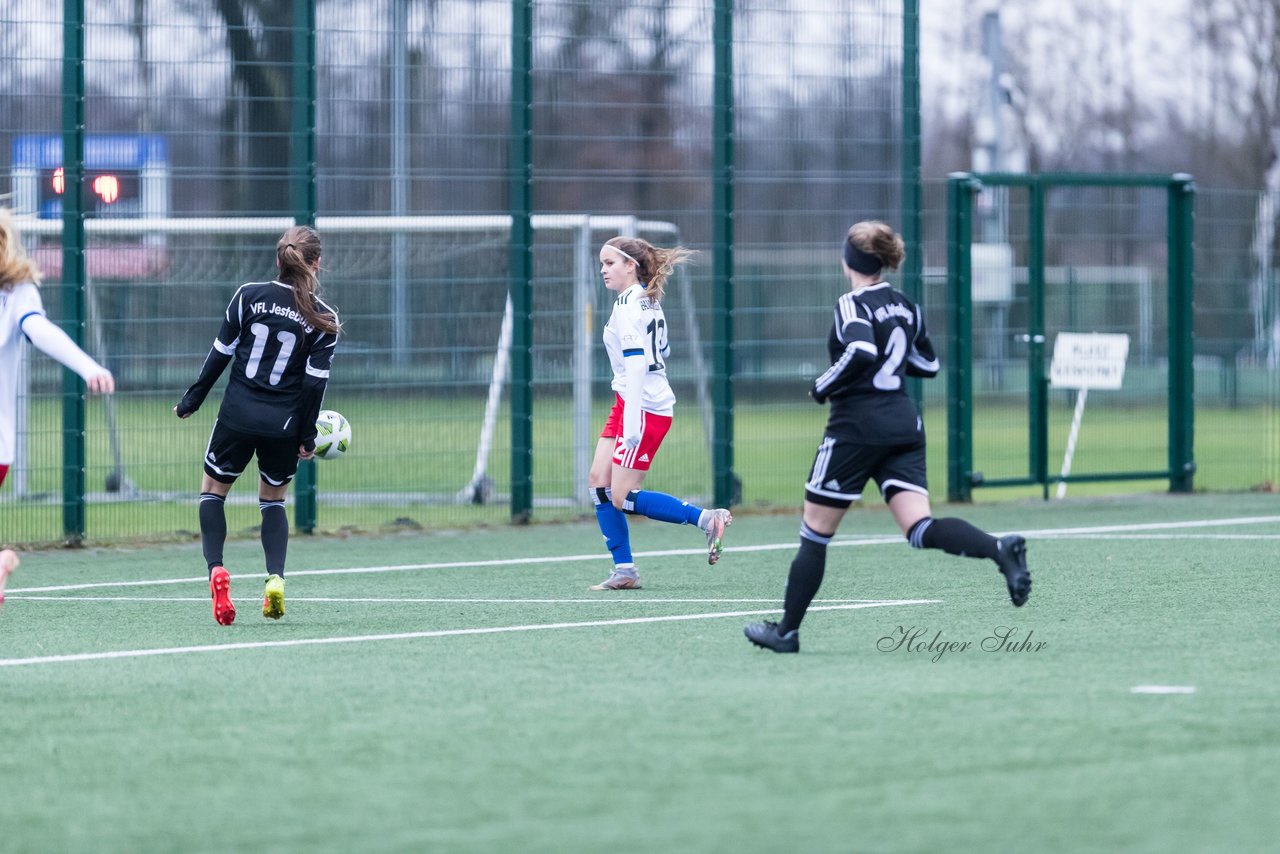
(877, 238)
(297, 253)
(654, 266)
(15, 266)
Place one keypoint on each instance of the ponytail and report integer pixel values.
(297, 253)
(654, 266)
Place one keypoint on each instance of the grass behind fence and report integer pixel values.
(412, 455)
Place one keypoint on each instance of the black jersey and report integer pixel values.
(280, 364)
(878, 338)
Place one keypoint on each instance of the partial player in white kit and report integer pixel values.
(636, 340)
(22, 315)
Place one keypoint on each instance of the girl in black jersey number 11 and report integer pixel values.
(279, 337)
(874, 431)
(636, 340)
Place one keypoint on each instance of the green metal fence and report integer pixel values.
(457, 153)
(1064, 288)
(453, 154)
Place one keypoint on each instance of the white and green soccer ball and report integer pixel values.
(333, 435)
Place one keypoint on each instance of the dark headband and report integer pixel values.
(859, 261)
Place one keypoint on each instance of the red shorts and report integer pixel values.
(653, 428)
(4, 470)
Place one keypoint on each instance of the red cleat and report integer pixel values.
(220, 586)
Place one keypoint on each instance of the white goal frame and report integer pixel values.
(585, 230)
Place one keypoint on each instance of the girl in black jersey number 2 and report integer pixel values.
(279, 338)
(875, 431)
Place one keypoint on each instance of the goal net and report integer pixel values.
(422, 371)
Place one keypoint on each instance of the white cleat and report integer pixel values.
(720, 519)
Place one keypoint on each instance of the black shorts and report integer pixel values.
(229, 452)
(841, 468)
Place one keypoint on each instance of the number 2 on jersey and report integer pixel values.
(657, 330)
(895, 350)
(261, 335)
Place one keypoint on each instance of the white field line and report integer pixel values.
(599, 600)
(440, 633)
(1043, 533)
(1162, 689)
(1165, 537)
(1151, 526)
(458, 564)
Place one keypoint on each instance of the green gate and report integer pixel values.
(1034, 255)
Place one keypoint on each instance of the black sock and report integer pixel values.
(213, 528)
(807, 569)
(275, 535)
(953, 536)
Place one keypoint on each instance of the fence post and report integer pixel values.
(727, 488)
(960, 189)
(521, 251)
(74, 270)
(1037, 391)
(912, 202)
(302, 192)
(1181, 226)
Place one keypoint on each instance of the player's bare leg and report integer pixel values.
(8, 563)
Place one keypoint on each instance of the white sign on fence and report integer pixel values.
(1088, 360)
(1084, 361)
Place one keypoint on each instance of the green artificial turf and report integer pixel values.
(664, 735)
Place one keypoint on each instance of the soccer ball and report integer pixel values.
(333, 435)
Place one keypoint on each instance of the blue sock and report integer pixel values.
(663, 507)
(613, 525)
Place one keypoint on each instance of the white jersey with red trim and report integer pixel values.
(16, 304)
(638, 327)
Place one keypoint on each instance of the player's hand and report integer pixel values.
(181, 414)
(817, 398)
(632, 442)
(102, 383)
(305, 453)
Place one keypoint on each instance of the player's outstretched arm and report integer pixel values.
(214, 364)
(55, 343)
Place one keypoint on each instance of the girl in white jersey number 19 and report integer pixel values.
(22, 315)
(636, 340)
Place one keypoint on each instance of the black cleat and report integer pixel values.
(766, 635)
(1011, 558)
